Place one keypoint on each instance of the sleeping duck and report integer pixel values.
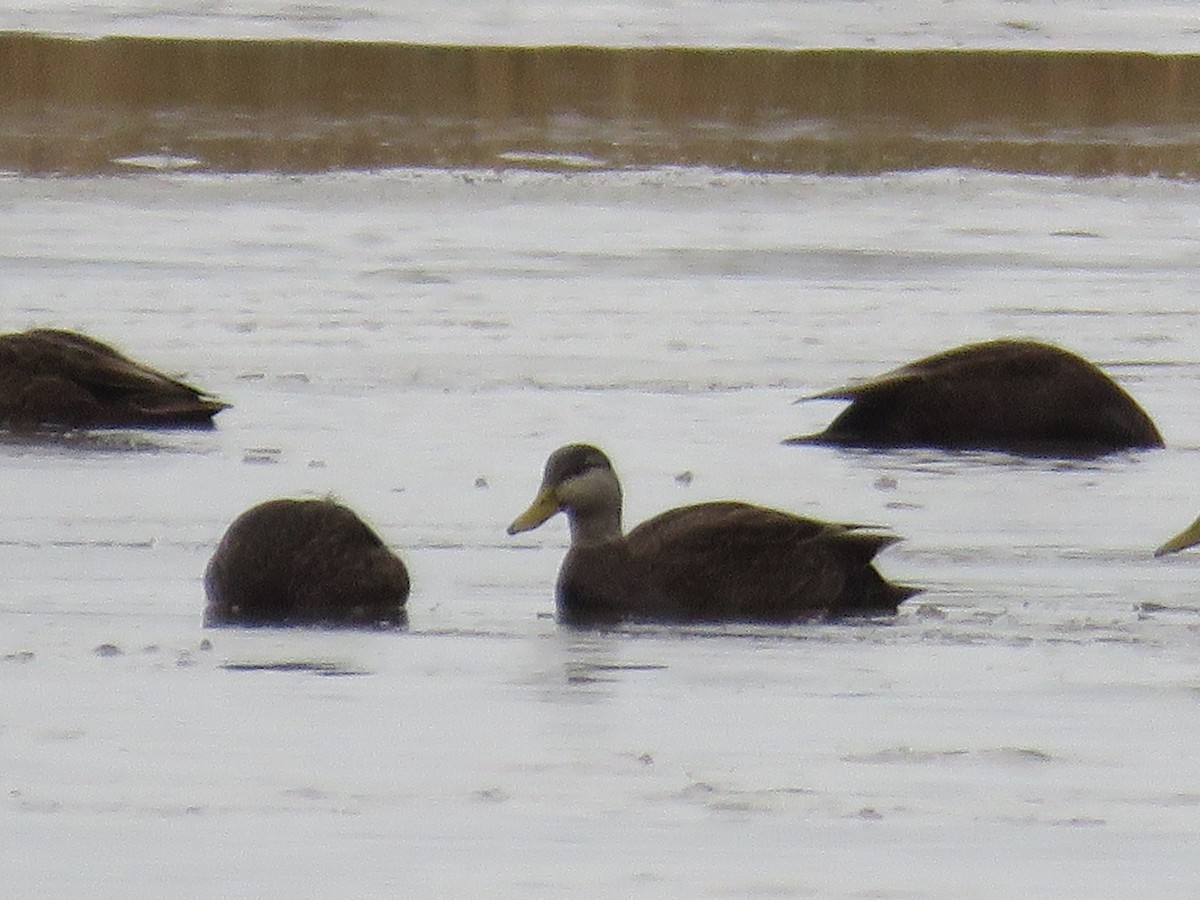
(60, 379)
(1018, 396)
(304, 562)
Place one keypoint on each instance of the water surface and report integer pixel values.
(1157, 25)
(416, 342)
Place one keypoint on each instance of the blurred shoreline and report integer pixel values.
(125, 104)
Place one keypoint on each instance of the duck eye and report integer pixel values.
(582, 467)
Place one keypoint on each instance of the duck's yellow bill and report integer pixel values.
(1189, 537)
(544, 505)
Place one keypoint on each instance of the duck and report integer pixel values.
(721, 561)
(1018, 396)
(1189, 537)
(304, 561)
(63, 379)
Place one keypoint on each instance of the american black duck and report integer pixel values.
(1189, 537)
(712, 562)
(1018, 396)
(304, 562)
(66, 380)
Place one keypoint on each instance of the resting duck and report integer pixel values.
(304, 562)
(712, 562)
(1018, 396)
(67, 380)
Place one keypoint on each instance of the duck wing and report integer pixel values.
(731, 561)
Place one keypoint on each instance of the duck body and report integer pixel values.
(723, 561)
(1018, 396)
(53, 378)
(304, 562)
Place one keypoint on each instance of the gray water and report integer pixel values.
(416, 342)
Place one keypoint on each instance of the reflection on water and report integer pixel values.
(577, 666)
(133, 104)
(329, 668)
(71, 442)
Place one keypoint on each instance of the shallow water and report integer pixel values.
(416, 343)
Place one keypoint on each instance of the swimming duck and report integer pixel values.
(1189, 537)
(63, 379)
(1019, 396)
(304, 562)
(711, 562)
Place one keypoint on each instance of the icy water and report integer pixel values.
(1154, 25)
(416, 342)
(420, 246)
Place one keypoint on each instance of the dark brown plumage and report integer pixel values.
(1013, 395)
(67, 380)
(712, 562)
(304, 562)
